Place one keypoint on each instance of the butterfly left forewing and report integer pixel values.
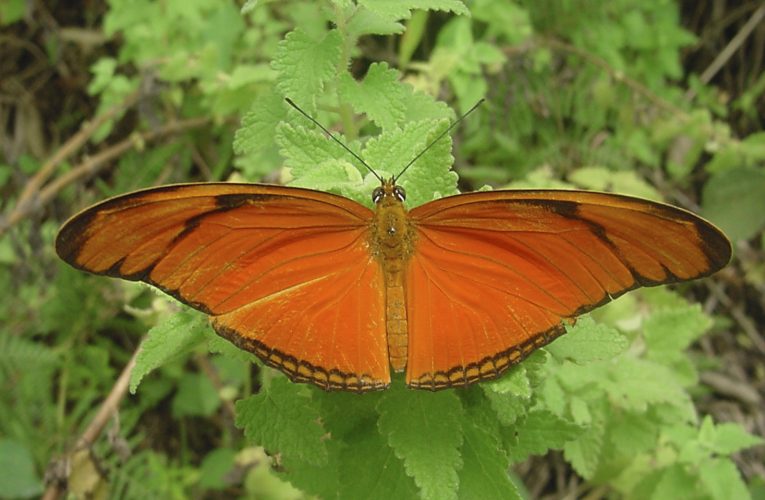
(495, 273)
(284, 272)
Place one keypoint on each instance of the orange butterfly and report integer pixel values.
(332, 293)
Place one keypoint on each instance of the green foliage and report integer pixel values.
(283, 418)
(746, 185)
(175, 336)
(424, 431)
(614, 395)
(19, 478)
(11, 11)
(303, 65)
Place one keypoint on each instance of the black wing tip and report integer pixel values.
(71, 236)
(719, 249)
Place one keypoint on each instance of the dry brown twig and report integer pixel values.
(730, 49)
(69, 148)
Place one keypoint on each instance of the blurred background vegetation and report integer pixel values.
(660, 99)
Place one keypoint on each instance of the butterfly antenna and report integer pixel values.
(292, 103)
(442, 134)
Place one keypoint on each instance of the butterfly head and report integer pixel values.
(388, 193)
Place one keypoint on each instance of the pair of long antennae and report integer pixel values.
(417, 157)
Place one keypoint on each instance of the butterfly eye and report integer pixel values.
(399, 193)
(377, 195)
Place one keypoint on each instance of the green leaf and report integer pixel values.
(262, 481)
(726, 438)
(346, 414)
(584, 452)
(304, 65)
(505, 18)
(392, 150)
(258, 131)
(19, 478)
(372, 470)
(368, 22)
(336, 176)
(112, 89)
(422, 106)
(673, 330)
(17, 354)
(380, 95)
(731, 438)
(753, 147)
(176, 335)
(580, 411)
(284, 419)
(659, 297)
(510, 395)
(215, 467)
(387, 101)
(323, 480)
(10, 12)
(634, 384)
(538, 432)
(553, 396)
(588, 341)
(633, 433)
(304, 149)
(484, 471)
(674, 482)
(744, 218)
(401, 9)
(721, 479)
(424, 430)
(515, 381)
(604, 179)
(196, 397)
(412, 37)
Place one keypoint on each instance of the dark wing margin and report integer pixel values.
(495, 274)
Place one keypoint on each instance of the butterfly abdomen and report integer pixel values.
(395, 320)
(392, 244)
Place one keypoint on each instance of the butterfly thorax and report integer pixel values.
(392, 243)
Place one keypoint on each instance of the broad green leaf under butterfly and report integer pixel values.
(371, 469)
(282, 417)
(425, 432)
(484, 473)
